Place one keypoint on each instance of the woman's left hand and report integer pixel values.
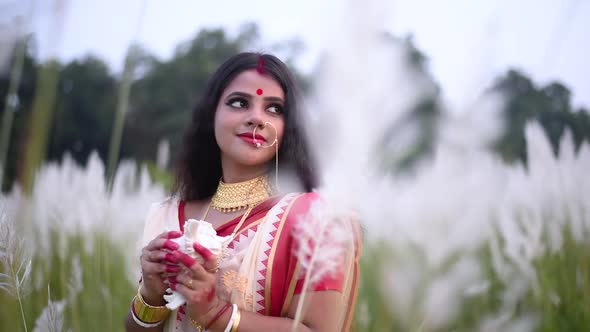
(197, 283)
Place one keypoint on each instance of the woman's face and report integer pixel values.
(250, 101)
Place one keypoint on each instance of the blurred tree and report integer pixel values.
(417, 129)
(85, 109)
(41, 119)
(550, 105)
(23, 101)
(164, 92)
(162, 98)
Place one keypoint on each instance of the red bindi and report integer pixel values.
(259, 92)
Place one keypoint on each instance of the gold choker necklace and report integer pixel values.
(231, 197)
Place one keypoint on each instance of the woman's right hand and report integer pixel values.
(158, 261)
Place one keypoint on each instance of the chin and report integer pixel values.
(252, 158)
(251, 162)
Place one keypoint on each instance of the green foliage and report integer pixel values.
(163, 97)
(26, 92)
(559, 296)
(84, 115)
(550, 105)
(102, 302)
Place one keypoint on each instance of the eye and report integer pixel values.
(277, 109)
(237, 103)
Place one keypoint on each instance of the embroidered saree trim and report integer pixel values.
(291, 290)
(273, 249)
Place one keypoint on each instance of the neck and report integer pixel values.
(233, 173)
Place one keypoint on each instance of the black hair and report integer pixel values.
(198, 167)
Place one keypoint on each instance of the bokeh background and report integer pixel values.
(96, 95)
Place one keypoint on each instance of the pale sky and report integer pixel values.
(548, 39)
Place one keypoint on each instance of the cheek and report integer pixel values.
(222, 125)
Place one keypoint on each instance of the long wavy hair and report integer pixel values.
(198, 167)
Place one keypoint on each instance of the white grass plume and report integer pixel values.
(455, 203)
(324, 238)
(75, 282)
(16, 262)
(52, 316)
(73, 200)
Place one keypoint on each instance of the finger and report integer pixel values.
(198, 271)
(169, 235)
(158, 244)
(210, 259)
(155, 268)
(204, 252)
(158, 241)
(159, 268)
(157, 256)
(186, 260)
(171, 258)
(200, 295)
(188, 280)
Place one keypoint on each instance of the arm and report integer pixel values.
(323, 312)
(157, 260)
(131, 326)
(323, 309)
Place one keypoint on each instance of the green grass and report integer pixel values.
(101, 304)
(560, 297)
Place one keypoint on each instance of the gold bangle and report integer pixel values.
(234, 327)
(195, 324)
(148, 313)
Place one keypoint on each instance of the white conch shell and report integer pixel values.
(195, 231)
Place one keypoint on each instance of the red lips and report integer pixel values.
(248, 138)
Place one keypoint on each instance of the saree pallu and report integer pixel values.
(259, 272)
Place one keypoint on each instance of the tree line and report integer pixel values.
(163, 92)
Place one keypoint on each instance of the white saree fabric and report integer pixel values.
(239, 276)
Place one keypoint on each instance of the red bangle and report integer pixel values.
(224, 309)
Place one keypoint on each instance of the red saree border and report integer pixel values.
(261, 208)
(269, 269)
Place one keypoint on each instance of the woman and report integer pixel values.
(245, 130)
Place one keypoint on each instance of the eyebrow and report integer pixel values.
(249, 96)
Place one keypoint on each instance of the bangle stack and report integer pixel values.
(234, 319)
(146, 315)
(200, 328)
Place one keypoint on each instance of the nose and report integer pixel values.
(255, 117)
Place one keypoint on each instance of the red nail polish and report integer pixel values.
(206, 253)
(171, 258)
(172, 279)
(173, 269)
(171, 245)
(187, 260)
(174, 234)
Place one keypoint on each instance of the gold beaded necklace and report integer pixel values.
(232, 197)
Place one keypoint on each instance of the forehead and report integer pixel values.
(250, 80)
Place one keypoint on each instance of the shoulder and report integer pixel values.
(305, 209)
(160, 216)
(161, 207)
(302, 202)
(297, 206)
